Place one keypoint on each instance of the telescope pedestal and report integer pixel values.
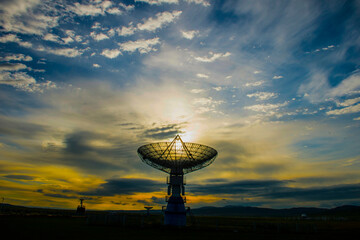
(175, 213)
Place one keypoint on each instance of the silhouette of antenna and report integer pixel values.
(176, 158)
(81, 208)
(148, 208)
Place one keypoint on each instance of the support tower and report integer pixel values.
(176, 158)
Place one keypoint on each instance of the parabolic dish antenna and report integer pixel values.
(176, 158)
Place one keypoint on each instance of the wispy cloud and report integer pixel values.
(348, 102)
(142, 45)
(24, 17)
(197, 90)
(265, 107)
(66, 52)
(98, 36)
(111, 53)
(150, 24)
(12, 66)
(53, 38)
(212, 57)
(15, 38)
(205, 3)
(158, 2)
(160, 20)
(94, 9)
(254, 84)
(17, 79)
(16, 57)
(262, 95)
(126, 31)
(189, 34)
(201, 75)
(346, 110)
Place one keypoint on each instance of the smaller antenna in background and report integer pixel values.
(81, 208)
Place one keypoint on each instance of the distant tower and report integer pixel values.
(148, 210)
(176, 158)
(81, 208)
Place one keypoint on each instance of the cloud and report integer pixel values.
(12, 66)
(126, 31)
(217, 88)
(322, 49)
(203, 101)
(16, 57)
(78, 142)
(19, 177)
(201, 75)
(348, 191)
(249, 187)
(189, 34)
(111, 53)
(53, 38)
(158, 2)
(318, 88)
(114, 11)
(95, 65)
(14, 38)
(205, 105)
(18, 79)
(348, 102)
(27, 17)
(262, 95)
(197, 90)
(212, 57)
(98, 37)
(202, 2)
(125, 186)
(348, 86)
(58, 195)
(23, 81)
(66, 52)
(150, 24)
(254, 84)
(277, 189)
(14, 128)
(127, 7)
(346, 110)
(163, 132)
(160, 20)
(277, 77)
(94, 9)
(265, 107)
(142, 45)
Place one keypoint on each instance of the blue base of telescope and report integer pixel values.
(175, 213)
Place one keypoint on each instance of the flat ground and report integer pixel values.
(102, 227)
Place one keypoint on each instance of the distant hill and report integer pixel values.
(235, 211)
(241, 211)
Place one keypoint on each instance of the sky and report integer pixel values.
(273, 86)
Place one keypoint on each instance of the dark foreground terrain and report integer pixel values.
(34, 223)
(149, 227)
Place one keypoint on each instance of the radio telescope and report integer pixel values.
(176, 158)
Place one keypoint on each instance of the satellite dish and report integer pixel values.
(176, 158)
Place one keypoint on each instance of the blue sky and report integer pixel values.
(274, 86)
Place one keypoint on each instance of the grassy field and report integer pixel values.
(138, 226)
